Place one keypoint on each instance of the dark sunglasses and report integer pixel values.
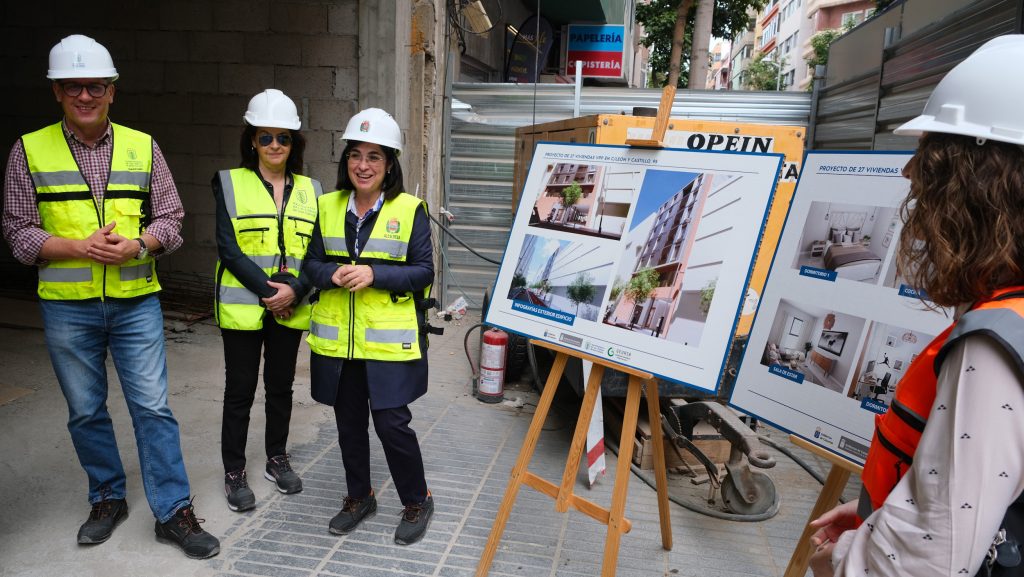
(282, 139)
(96, 89)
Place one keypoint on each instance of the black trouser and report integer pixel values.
(280, 346)
(402, 450)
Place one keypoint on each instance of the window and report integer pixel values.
(769, 31)
(852, 18)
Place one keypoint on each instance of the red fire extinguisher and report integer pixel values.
(491, 387)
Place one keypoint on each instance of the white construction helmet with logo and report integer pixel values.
(978, 97)
(272, 109)
(376, 126)
(79, 56)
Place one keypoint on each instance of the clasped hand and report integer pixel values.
(353, 276)
(109, 248)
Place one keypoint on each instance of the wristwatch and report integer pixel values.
(143, 249)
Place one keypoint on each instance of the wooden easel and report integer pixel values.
(563, 494)
(829, 497)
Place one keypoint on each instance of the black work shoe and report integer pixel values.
(105, 515)
(353, 511)
(414, 523)
(184, 531)
(236, 487)
(279, 470)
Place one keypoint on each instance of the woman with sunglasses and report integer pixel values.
(266, 212)
(372, 259)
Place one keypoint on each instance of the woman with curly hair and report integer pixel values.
(945, 473)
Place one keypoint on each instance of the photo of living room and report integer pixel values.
(888, 352)
(851, 240)
(819, 343)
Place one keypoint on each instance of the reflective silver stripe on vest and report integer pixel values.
(323, 331)
(228, 188)
(55, 274)
(293, 263)
(390, 335)
(269, 261)
(136, 272)
(335, 244)
(394, 248)
(58, 178)
(140, 179)
(230, 295)
(318, 189)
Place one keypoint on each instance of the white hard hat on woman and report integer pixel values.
(272, 109)
(376, 126)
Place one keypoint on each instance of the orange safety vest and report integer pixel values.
(898, 431)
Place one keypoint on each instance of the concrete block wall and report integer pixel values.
(188, 69)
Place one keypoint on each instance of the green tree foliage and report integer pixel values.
(581, 290)
(642, 285)
(762, 74)
(571, 194)
(707, 294)
(658, 17)
(820, 43)
(518, 280)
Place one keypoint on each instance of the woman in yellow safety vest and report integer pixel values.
(372, 259)
(944, 477)
(266, 212)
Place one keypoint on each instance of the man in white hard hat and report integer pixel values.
(90, 203)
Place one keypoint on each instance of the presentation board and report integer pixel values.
(837, 327)
(636, 255)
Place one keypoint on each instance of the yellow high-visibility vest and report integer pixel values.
(274, 243)
(369, 323)
(67, 209)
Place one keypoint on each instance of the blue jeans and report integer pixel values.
(78, 334)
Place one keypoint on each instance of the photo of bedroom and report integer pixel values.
(887, 354)
(850, 240)
(816, 342)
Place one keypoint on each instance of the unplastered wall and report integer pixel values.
(188, 69)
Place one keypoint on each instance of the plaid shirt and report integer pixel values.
(23, 228)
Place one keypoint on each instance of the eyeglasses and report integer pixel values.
(282, 139)
(96, 89)
(371, 158)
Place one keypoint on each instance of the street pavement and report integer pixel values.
(469, 448)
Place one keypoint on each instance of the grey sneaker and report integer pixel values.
(352, 513)
(103, 518)
(184, 531)
(414, 523)
(236, 488)
(279, 470)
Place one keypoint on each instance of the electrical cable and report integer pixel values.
(462, 242)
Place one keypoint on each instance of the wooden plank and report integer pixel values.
(833, 489)
(588, 508)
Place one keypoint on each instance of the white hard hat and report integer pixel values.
(376, 126)
(272, 109)
(978, 97)
(79, 56)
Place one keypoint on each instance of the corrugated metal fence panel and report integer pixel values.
(861, 113)
(478, 183)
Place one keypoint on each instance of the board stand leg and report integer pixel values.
(614, 518)
(835, 483)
